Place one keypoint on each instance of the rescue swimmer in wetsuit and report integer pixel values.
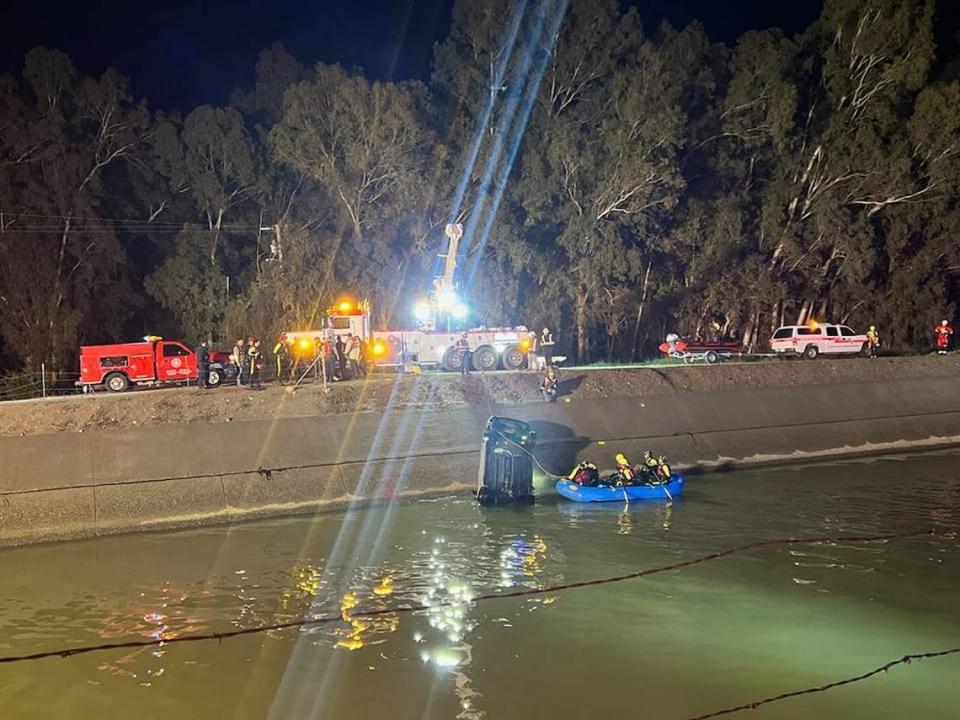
(585, 473)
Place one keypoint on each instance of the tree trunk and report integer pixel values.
(215, 227)
(582, 344)
(643, 300)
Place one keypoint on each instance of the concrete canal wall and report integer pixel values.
(82, 484)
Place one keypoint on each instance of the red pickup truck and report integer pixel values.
(150, 362)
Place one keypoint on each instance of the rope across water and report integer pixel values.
(327, 619)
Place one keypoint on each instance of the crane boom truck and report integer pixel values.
(432, 343)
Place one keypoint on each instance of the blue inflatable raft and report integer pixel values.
(606, 493)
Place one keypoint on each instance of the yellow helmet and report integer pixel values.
(873, 327)
(621, 459)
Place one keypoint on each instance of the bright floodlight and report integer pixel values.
(421, 311)
(459, 311)
(447, 300)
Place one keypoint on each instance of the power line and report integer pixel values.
(905, 660)
(327, 619)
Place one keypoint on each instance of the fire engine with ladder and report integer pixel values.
(433, 343)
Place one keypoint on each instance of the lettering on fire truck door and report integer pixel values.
(175, 361)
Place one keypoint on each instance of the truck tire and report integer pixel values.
(712, 357)
(215, 377)
(513, 358)
(484, 358)
(451, 360)
(116, 382)
(810, 352)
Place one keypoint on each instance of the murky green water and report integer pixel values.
(669, 646)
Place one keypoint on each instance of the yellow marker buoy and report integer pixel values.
(385, 587)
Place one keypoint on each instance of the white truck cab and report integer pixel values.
(817, 339)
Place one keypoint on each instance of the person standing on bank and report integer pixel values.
(203, 366)
(532, 351)
(546, 347)
(253, 357)
(280, 357)
(353, 355)
(873, 341)
(463, 352)
(341, 349)
(237, 359)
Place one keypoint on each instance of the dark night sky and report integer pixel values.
(180, 54)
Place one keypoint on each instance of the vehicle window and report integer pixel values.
(782, 333)
(808, 331)
(832, 332)
(115, 361)
(174, 351)
(340, 323)
(846, 332)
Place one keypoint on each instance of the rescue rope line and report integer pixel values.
(327, 619)
(905, 660)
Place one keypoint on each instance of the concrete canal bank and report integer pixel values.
(112, 477)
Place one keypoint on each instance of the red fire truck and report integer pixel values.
(150, 362)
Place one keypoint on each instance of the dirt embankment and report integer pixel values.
(438, 392)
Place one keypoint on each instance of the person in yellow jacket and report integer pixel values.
(873, 341)
(280, 355)
(664, 472)
(624, 470)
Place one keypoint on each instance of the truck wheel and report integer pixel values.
(712, 357)
(513, 358)
(484, 358)
(810, 352)
(451, 360)
(214, 378)
(116, 382)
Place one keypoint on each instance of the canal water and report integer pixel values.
(673, 645)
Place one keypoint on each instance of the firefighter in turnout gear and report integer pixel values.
(943, 331)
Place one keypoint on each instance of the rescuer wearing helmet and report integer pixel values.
(663, 469)
(624, 471)
(943, 331)
(873, 341)
(650, 465)
(585, 473)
